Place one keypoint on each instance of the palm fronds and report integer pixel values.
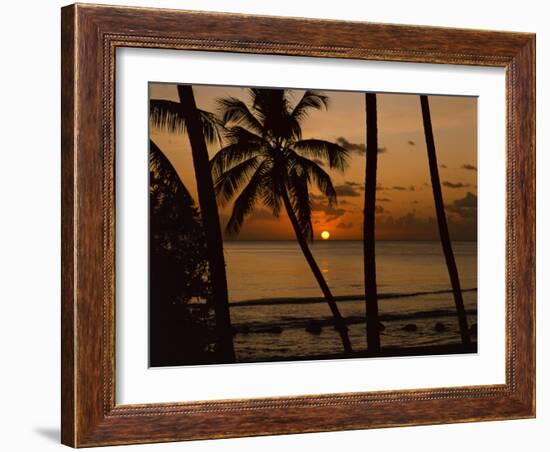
(336, 156)
(170, 116)
(264, 137)
(310, 100)
(234, 178)
(167, 115)
(244, 204)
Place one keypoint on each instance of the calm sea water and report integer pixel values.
(270, 284)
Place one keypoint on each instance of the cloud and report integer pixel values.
(348, 145)
(401, 188)
(381, 187)
(358, 148)
(349, 188)
(379, 209)
(411, 143)
(465, 208)
(455, 184)
(414, 227)
(408, 226)
(315, 197)
(467, 166)
(331, 212)
(383, 200)
(443, 166)
(343, 225)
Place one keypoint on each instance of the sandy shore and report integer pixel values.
(449, 349)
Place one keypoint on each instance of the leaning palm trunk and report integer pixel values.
(338, 320)
(442, 222)
(211, 223)
(369, 244)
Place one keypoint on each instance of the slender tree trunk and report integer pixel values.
(211, 223)
(340, 325)
(442, 222)
(369, 242)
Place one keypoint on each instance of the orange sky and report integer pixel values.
(405, 201)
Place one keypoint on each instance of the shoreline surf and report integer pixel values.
(338, 298)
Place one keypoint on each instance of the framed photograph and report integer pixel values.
(278, 225)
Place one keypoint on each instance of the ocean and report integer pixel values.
(274, 296)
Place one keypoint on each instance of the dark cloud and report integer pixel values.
(401, 188)
(315, 197)
(411, 143)
(467, 166)
(408, 226)
(415, 202)
(331, 212)
(462, 221)
(348, 145)
(358, 148)
(443, 166)
(455, 184)
(381, 187)
(383, 200)
(349, 188)
(465, 208)
(343, 225)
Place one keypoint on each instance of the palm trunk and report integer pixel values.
(338, 320)
(369, 243)
(442, 222)
(211, 223)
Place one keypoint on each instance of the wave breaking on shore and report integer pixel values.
(339, 298)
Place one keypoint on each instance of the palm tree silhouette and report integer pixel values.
(201, 126)
(267, 160)
(369, 244)
(442, 222)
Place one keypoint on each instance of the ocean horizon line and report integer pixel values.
(339, 240)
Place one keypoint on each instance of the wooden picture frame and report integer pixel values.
(90, 36)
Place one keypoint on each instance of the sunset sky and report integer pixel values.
(405, 207)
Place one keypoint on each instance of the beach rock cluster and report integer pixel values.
(313, 327)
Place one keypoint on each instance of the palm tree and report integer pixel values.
(201, 126)
(177, 252)
(442, 222)
(371, 296)
(267, 160)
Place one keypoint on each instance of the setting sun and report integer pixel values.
(325, 235)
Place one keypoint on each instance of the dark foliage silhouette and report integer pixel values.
(268, 162)
(180, 309)
(200, 127)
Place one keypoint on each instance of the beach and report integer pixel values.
(274, 299)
